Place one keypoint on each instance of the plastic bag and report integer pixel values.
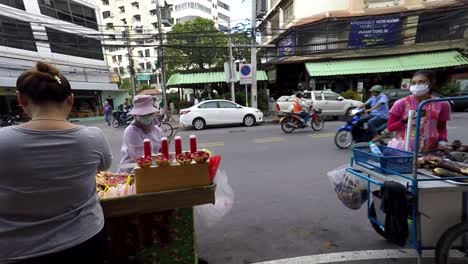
(210, 214)
(351, 190)
(397, 144)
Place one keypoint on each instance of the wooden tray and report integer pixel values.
(159, 201)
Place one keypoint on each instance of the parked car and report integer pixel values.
(461, 106)
(331, 104)
(219, 112)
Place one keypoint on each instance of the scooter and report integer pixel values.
(290, 121)
(356, 131)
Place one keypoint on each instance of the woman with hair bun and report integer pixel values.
(49, 209)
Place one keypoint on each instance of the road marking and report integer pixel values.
(268, 140)
(342, 257)
(323, 135)
(211, 144)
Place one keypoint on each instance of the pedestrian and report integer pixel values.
(107, 112)
(433, 130)
(50, 211)
(195, 102)
(144, 126)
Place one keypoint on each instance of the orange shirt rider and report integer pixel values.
(299, 104)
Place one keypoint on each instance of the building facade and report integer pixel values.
(310, 34)
(65, 33)
(139, 20)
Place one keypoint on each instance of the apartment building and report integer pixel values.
(65, 33)
(140, 18)
(310, 34)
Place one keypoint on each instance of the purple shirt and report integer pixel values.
(108, 109)
(132, 145)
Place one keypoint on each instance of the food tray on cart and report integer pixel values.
(158, 201)
(430, 174)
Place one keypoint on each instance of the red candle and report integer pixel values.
(164, 147)
(147, 147)
(193, 143)
(178, 145)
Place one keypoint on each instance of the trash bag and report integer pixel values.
(351, 190)
(396, 144)
(211, 214)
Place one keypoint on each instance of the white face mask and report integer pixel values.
(419, 89)
(144, 120)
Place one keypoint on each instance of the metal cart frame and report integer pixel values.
(421, 188)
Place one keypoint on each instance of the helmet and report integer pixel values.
(299, 95)
(376, 88)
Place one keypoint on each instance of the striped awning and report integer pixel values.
(205, 77)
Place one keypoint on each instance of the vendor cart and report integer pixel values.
(438, 205)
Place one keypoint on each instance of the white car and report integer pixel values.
(331, 104)
(219, 112)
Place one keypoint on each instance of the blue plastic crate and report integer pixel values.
(392, 161)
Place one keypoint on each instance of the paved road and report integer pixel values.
(284, 204)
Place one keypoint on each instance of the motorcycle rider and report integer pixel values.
(299, 107)
(378, 112)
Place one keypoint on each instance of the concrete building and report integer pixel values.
(312, 37)
(65, 33)
(141, 20)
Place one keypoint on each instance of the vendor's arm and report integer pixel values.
(395, 120)
(444, 116)
(132, 145)
(104, 151)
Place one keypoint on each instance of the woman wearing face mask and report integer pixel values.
(143, 127)
(433, 130)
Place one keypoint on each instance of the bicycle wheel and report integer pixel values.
(452, 247)
(167, 129)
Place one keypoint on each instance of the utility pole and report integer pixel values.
(231, 70)
(253, 54)
(161, 57)
(131, 64)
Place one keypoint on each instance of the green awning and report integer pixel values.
(387, 64)
(205, 77)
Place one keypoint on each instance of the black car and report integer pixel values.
(461, 106)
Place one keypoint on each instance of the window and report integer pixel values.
(121, 70)
(106, 14)
(149, 66)
(330, 96)
(136, 5)
(114, 59)
(16, 34)
(307, 95)
(227, 105)
(318, 95)
(155, 25)
(288, 12)
(209, 105)
(109, 26)
(147, 53)
(141, 66)
(116, 70)
(139, 30)
(119, 58)
(193, 5)
(112, 37)
(105, 2)
(74, 45)
(137, 18)
(140, 53)
(13, 3)
(435, 27)
(122, 9)
(67, 10)
(152, 12)
(124, 21)
(223, 5)
(224, 17)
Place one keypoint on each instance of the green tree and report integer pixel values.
(198, 44)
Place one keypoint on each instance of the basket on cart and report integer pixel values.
(393, 160)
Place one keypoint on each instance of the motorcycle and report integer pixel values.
(9, 120)
(356, 131)
(290, 121)
(121, 119)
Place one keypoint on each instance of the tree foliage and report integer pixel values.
(198, 44)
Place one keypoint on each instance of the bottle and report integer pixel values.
(178, 145)
(164, 147)
(147, 147)
(375, 149)
(193, 144)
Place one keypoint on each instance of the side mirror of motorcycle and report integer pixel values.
(340, 98)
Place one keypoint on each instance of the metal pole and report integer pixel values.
(233, 78)
(246, 96)
(253, 54)
(161, 51)
(130, 60)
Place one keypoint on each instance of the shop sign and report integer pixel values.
(143, 77)
(287, 45)
(382, 31)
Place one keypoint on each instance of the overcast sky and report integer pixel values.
(240, 10)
